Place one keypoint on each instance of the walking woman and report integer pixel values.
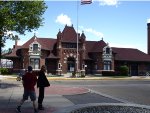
(42, 82)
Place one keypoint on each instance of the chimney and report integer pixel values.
(148, 38)
(16, 42)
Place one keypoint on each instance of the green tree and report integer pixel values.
(19, 16)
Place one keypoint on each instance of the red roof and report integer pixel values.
(13, 53)
(69, 34)
(95, 46)
(130, 54)
(46, 43)
(98, 46)
(89, 45)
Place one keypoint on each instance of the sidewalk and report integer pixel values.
(56, 96)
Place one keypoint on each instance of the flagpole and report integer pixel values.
(82, 3)
(77, 40)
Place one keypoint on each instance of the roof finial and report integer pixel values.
(35, 35)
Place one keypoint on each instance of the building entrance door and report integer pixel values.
(70, 64)
(134, 69)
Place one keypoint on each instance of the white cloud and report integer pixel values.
(92, 31)
(20, 42)
(148, 20)
(109, 2)
(63, 19)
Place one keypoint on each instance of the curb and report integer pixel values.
(85, 78)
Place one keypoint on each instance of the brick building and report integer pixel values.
(60, 54)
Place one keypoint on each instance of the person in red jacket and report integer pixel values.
(29, 81)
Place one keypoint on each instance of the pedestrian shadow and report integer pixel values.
(7, 85)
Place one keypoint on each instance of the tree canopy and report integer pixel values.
(20, 16)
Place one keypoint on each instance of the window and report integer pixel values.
(35, 63)
(107, 50)
(35, 47)
(96, 67)
(70, 45)
(59, 65)
(107, 65)
(83, 66)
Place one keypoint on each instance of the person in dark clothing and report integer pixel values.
(29, 81)
(41, 84)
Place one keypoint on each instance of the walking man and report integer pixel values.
(29, 81)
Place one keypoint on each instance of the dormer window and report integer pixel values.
(35, 47)
(107, 58)
(107, 50)
(35, 54)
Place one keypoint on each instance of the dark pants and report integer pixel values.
(41, 95)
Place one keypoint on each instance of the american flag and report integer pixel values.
(86, 2)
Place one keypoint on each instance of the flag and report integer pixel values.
(86, 2)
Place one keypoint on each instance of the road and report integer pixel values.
(131, 91)
(127, 91)
(56, 96)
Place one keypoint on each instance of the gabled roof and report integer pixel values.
(98, 46)
(13, 53)
(95, 46)
(130, 54)
(46, 43)
(69, 34)
(89, 45)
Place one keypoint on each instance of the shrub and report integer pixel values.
(123, 70)
(73, 74)
(4, 71)
(82, 74)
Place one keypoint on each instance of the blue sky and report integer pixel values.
(119, 23)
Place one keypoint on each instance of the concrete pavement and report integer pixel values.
(56, 96)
